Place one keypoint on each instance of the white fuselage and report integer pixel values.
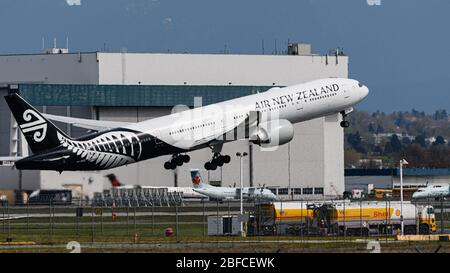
(434, 191)
(296, 103)
(228, 193)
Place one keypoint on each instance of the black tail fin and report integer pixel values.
(40, 133)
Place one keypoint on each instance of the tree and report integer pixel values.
(420, 139)
(380, 129)
(439, 141)
(406, 140)
(415, 154)
(396, 145)
(440, 115)
(351, 157)
(354, 139)
(371, 128)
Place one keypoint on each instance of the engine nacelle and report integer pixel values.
(273, 133)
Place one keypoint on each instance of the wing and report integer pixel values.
(235, 130)
(97, 125)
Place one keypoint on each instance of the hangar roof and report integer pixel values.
(130, 95)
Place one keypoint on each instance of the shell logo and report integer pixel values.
(397, 212)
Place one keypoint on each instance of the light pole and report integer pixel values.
(241, 157)
(402, 162)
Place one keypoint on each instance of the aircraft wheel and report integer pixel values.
(186, 158)
(208, 166)
(213, 166)
(345, 124)
(218, 161)
(226, 159)
(167, 165)
(178, 161)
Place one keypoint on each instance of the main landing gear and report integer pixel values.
(177, 160)
(217, 161)
(344, 123)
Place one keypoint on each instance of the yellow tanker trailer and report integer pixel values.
(353, 218)
(360, 218)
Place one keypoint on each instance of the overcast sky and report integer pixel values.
(400, 48)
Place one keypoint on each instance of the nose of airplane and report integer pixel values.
(364, 91)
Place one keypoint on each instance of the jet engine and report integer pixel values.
(273, 133)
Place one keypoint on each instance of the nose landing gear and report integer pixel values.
(344, 123)
(177, 160)
(217, 160)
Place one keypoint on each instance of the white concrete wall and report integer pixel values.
(90, 181)
(216, 69)
(49, 68)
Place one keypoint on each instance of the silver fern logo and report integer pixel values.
(109, 150)
(38, 126)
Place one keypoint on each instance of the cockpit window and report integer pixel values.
(430, 211)
(360, 84)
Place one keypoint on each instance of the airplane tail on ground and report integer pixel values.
(114, 181)
(197, 180)
(40, 133)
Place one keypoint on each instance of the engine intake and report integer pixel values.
(273, 133)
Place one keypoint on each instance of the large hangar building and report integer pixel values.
(138, 86)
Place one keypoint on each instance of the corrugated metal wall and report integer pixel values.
(131, 95)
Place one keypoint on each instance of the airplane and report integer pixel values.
(432, 191)
(264, 119)
(187, 192)
(229, 193)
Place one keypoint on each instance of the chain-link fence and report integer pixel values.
(197, 221)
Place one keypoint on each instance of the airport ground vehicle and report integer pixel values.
(346, 217)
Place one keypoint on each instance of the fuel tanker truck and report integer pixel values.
(345, 217)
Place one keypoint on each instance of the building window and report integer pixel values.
(307, 190)
(273, 190)
(318, 190)
(297, 191)
(283, 191)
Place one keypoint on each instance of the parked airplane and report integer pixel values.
(187, 192)
(229, 193)
(265, 119)
(432, 191)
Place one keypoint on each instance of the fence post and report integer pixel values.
(176, 221)
(28, 218)
(92, 223)
(153, 219)
(204, 220)
(301, 219)
(217, 224)
(134, 223)
(78, 212)
(442, 214)
(101, 219)
(9, 223)
(4, 222)
(128, 220)
(345, 227)
(50, 230)
(360, 217)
